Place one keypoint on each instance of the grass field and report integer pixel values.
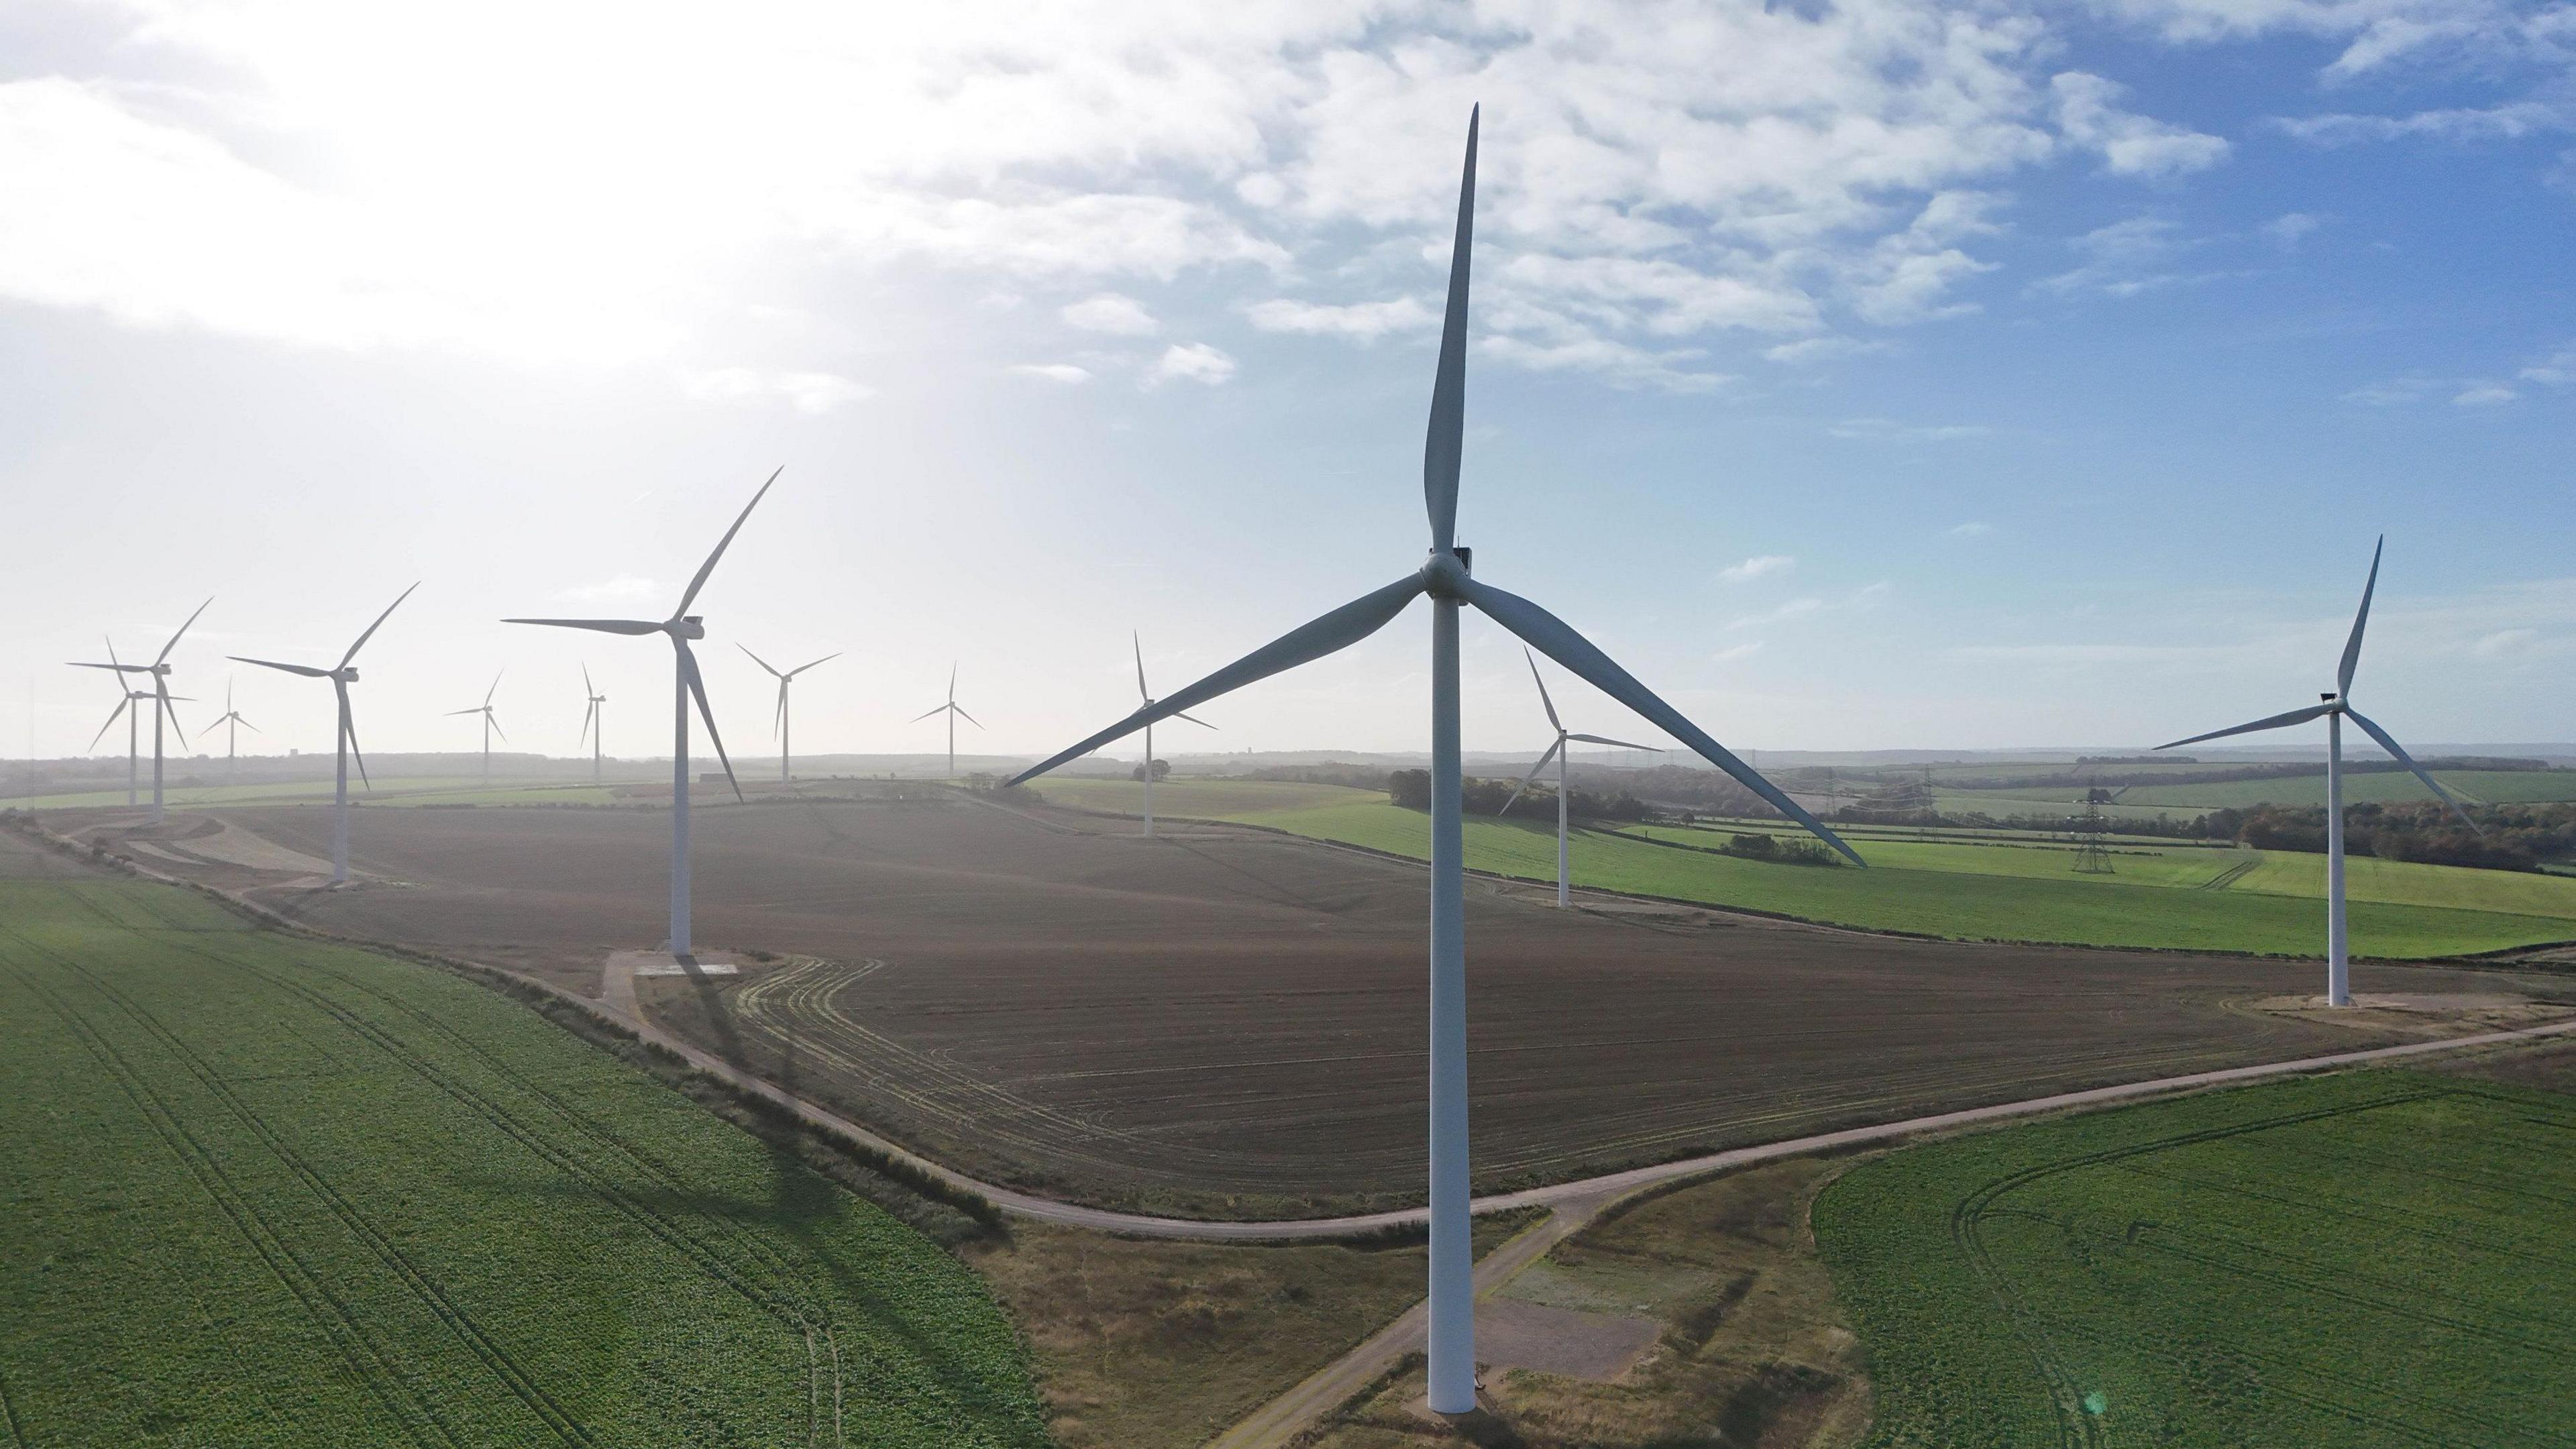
(425, 790)
(2179, 896)
(2369, 1259)
(267, 1192)
(2488, 787)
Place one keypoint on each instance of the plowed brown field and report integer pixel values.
(1231, 1021)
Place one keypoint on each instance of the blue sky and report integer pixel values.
(1873, 375)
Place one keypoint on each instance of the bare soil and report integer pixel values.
(1232, 1022)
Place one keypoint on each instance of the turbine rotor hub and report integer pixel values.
(690, 626)
(1445, 574)
(346, 675)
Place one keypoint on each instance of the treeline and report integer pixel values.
(1412, 790)
(2510, 837)
(2214, 775)
(1327, 772)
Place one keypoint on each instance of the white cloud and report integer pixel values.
(1198, 362)
(807, 392)
(2088, 112)
(1734, 652)
(2503, 642)
(2395, 392)
(1357, 321)
(2484, 395)
(1779, 613)
(1862, 428)
(1757, 567)
(2492, 123)
(1059, 372)
(623, 586)
(1825, 349)
(1112, 313)
(1969, 530)
(2125, 259)
(2558, 369)
(1618, 362)
(2291, 228)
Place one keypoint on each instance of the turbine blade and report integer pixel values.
(1441, 448)
(780, 718)
(826, 659)
(698, 692)
(2274, 722)
(453, 713)
(2389, 743)
(722, 544)
(307, 670)
(587, 687)
(756, 659)
(604, 626)
(164, 655)
(351, 715)
(113, 716)
(970, 719)
(2352, 646)
(587, 716)
(118, 668)
(162, 696)
(1141, 691)
(1532, 775)
(1337, 630)
(1559, 642)
(952, 684)
(246, 724)
(111, 653)
(1623, 744)
(372, 628)
(496, 729)
(927, 713)
(1194, 719)
(495, 689)
(1550, 705)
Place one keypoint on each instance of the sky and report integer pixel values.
(1869, 375)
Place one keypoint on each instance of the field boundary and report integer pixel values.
(2468, 960)
(1605, 1186)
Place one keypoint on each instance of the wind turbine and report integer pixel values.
(233, 724)
(341, 675)
(954, 714)
(1445, 577)
(159, 669)
(688, 684)
(1558, 752)
(491, 726)
(2336, 708)
(126, 698)
(778, 726)
(591, 729)
(1147, 696)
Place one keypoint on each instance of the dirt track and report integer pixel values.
(1153, 1023)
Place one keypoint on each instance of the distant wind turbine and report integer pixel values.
(1445, 577)
(233, 724)
(491, 726)
(1558, 752)
(2336, 708)
(778, 725)
(159, 669)
(682, 627)
(591, 727)
(954, 714)
(341, 675)
(127, 700)
(1147, 696)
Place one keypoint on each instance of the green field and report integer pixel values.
(266, 1192)
(2175, 895)
(2370, 1259)
(2484, 787)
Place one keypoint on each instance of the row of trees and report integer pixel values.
(2511, 837)
(1412, 790)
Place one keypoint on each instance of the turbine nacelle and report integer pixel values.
(687, 626)
(1445, 573)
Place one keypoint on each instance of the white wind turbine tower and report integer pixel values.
(233, 724)
(954, 714)
(341, 676)
(1147, 696)
(2336, 708)
(491, 726)
(1558, 752)
(1445, 577)
(127, 698)
(160, 695)
(688, 684)
(778, 725)
(591, 727)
